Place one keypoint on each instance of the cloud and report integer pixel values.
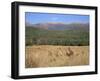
(54, 18)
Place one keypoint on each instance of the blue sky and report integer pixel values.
(34, 18)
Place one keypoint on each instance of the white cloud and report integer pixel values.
(54, 18)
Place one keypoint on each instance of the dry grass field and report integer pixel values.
(56, 56)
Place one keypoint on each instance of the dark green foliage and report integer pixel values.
(37, 36)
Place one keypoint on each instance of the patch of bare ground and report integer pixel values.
(56, 56)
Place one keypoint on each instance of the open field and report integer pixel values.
(56, 56)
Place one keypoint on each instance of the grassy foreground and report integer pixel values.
(56, 56)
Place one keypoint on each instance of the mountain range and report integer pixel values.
(60, 26)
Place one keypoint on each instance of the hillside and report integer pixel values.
(61, 26)
(40, 36)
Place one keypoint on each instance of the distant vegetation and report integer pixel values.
(39, 36)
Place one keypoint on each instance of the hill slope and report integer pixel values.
(61, 26)
(40, 36)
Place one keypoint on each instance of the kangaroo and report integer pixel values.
(70, 52)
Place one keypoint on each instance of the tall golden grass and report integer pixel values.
(56, 56)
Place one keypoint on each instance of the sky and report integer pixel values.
(34, 18)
